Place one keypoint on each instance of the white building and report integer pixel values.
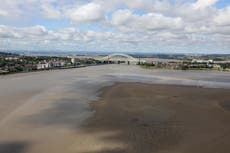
(11, 58)
(46, 65)
(43, 65)
(73, 60)
(202, 61)
(57, 64)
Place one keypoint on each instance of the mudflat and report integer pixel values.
(145, 118)
(59, 111)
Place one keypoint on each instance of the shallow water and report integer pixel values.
(52, 104)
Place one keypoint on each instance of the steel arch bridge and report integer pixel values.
(119, 57)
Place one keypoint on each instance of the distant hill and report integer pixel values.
(5, 54)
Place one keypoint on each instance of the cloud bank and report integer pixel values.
(116, 25)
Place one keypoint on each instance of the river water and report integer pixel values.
(41, 111)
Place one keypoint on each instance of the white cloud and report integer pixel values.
(126, 19)
(120, 24)
(111, 5)
(3, 13)
(90, 12)
(51, 12)
(188, 11)
(38, 37)
(139, 4)
(37, 30)
(223, 17)
(201, 4)
(121, 17)
(27, 33)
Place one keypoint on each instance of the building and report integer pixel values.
(202, 61)
(51, 64)
(43, 65)
(11, 58)
(73, 60)
(57, 64)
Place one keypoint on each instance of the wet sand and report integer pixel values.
(144, 118)
(58, 112)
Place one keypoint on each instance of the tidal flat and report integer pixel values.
(112, 108)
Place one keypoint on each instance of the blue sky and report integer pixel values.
(222, 3)
(155, 26)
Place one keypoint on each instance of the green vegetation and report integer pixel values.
(13, 63)
(186, 65)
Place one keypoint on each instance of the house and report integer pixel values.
(43, 65)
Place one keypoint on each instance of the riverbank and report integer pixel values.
(184, 69)
(5, 73)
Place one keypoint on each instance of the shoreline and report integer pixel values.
(44, 70)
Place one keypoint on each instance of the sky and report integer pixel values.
(154, 26)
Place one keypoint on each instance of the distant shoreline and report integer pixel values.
(46, 70)
(154, 68)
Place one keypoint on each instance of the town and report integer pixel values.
(15, 63)
(194, 63)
